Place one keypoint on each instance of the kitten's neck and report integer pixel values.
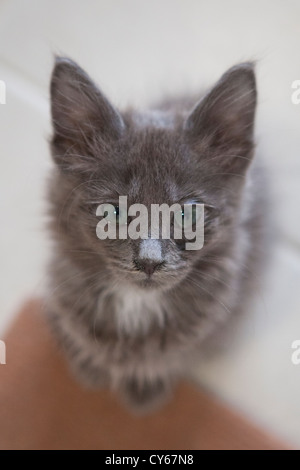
(137, 309)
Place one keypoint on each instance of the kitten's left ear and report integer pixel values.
(79, 109)
(223, 121)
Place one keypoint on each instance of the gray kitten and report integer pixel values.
(135, 314)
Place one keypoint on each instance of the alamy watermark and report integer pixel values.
(295, 97)
(296, 354)
(2, 353)
(2, 92)
(164, 222)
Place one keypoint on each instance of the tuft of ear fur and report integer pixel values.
(224, 119)
(80, 111)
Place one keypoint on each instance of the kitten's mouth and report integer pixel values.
(147, 283)
(161, 280)
(155, 282)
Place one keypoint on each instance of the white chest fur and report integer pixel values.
(136, 309)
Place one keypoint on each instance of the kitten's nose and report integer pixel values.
(150, 257)
(147, 265)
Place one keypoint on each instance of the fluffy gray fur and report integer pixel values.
(139, 333)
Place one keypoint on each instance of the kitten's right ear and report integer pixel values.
(80, 112)
(223, 120)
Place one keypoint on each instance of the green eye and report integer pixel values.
(121, 216)
(107, 213)
(188, 216)
(113, 214)
(179, 217)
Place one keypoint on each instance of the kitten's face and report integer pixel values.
(159, 158)
(149, 167)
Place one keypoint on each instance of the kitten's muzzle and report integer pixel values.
(148, 266)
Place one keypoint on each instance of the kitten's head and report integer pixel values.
(176, 156)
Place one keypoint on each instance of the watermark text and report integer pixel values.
(296, 354)
(295, 97)
(2, 353)
(2, 92)
(163, 222)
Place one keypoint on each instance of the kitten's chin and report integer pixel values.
(148, 284)
(158, 281)
(154, 283)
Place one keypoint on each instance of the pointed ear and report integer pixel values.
(223, 121)
(80, 112)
